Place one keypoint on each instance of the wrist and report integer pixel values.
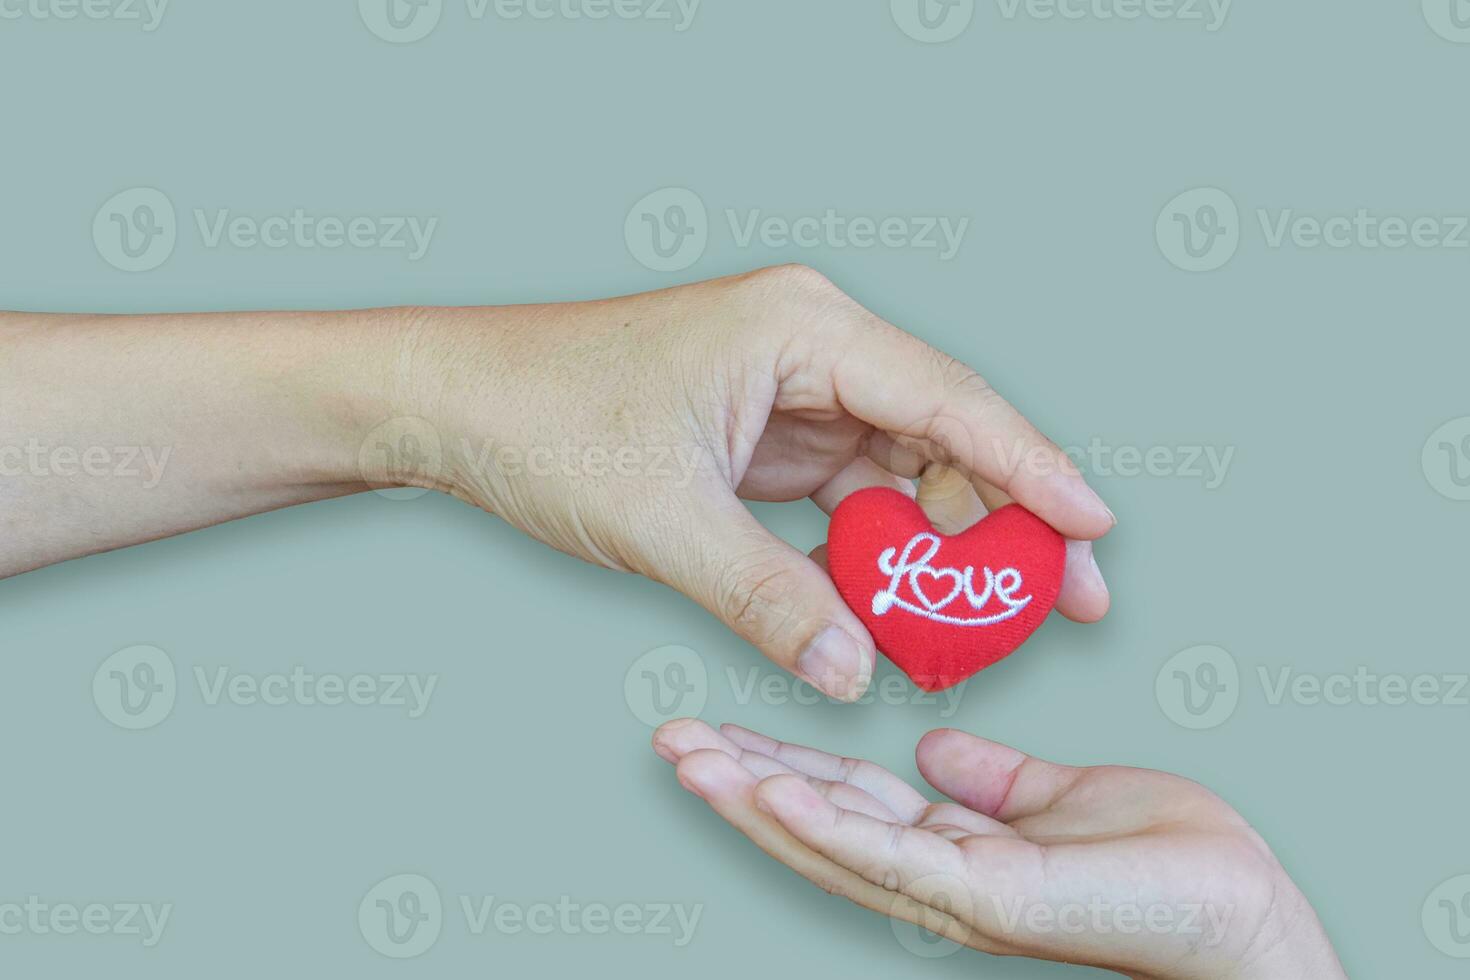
(383, 392)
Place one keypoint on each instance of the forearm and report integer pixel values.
(116, 430)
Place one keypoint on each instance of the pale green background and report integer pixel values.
(529, 778)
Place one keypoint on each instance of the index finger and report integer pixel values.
(944, 409)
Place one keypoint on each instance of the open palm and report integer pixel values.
(1137, 871)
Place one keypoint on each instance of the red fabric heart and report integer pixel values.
(943, 608)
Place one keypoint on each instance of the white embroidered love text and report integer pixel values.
(913, 567)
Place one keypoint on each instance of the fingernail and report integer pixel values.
(1092, 559)
(836, 665)
(1094, 500)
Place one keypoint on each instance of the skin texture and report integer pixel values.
(634, 427)
(771, 386)
(1031, 859)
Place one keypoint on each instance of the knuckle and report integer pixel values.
(945, 438)
(799, 278)
(830, 885)
(932, 815)
(757, 597)
(894, 843)
(961, 385)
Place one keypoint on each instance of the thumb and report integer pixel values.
(989, 777)
(772, 595)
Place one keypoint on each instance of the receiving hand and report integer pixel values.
(1140, 872)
